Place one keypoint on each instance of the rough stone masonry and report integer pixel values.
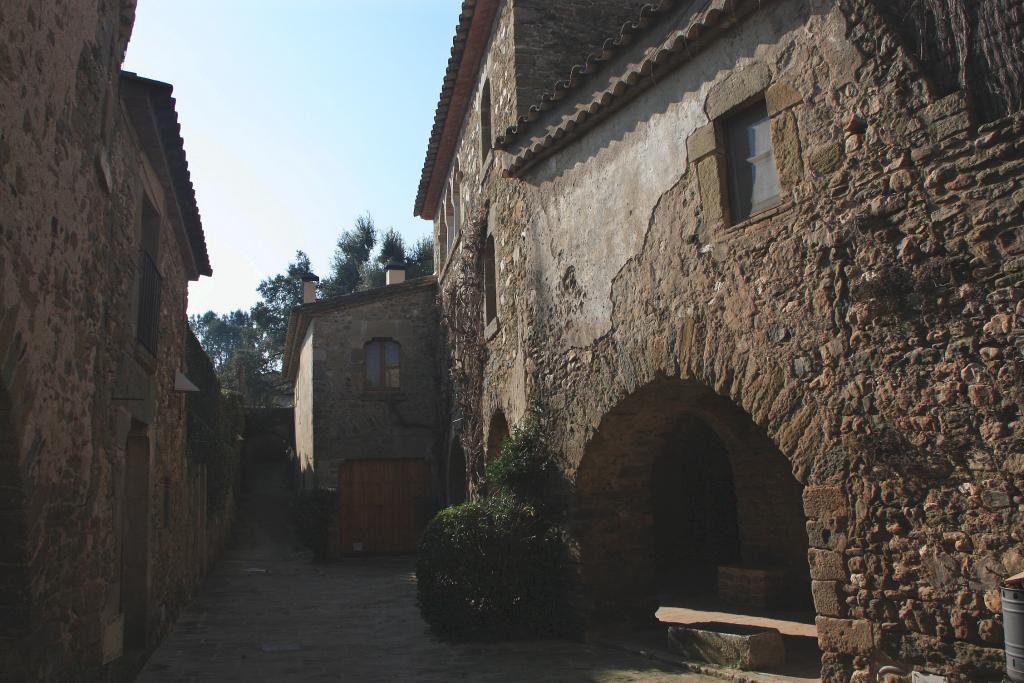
(856, 350)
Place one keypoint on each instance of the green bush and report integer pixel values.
(524, 467)
(493, 568)
(312, 512)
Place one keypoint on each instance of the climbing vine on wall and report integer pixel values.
(969, 45)
(461, 305)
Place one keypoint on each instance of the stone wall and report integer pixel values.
(75, 381)
(871, 325)
(353, 422)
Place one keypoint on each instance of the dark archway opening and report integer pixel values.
(684, 509)
(694, 498)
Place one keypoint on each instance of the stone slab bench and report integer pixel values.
(730, 645)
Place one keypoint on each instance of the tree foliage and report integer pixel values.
(356, 267)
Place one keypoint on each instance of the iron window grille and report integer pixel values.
(150, 284)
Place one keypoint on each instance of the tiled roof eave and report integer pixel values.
(475, 20)
(168, 129)
(675, 49)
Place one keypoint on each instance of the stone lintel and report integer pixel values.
(737, 89)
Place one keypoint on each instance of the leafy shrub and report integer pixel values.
(312, 512)
(524, 467)
(491, 568)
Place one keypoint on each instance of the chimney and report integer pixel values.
(309, 282)
(394, 272)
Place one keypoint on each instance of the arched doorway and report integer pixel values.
(682, 503)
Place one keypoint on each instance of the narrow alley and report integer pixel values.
(269, 613)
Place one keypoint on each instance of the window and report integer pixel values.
(490, 281)
(383, 362)
(486, 139)
(753, 178)
(148, 279)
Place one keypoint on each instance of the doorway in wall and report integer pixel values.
(135, 537)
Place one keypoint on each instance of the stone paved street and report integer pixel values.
(268, 613)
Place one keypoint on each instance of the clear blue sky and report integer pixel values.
(298, 116)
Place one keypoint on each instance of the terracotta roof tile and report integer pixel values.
(675, 47)
(467, 51)
(169, 130)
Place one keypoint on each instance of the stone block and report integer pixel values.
(711, 195)
(729, 645)
(824, 502)
(944, 108)
(826, 565)
(737, 88)
(701, 142)
(819, 535)
(828, 600)
(786, 146)
(951, 126)
(780, 96)
(826, 158)
(845, 636)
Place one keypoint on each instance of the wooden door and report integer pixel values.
(380, 503)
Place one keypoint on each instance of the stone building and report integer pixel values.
(763, 275)
(102, 515)
(366, 378)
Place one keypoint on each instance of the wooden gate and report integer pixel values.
(381, 503)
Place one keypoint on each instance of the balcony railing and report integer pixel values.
(149, 303)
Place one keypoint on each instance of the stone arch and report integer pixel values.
(693, 434)
(497, 432)
(15, 595)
